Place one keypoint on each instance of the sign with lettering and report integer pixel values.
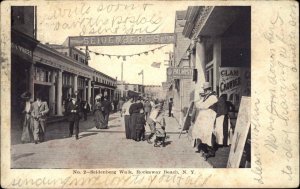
(21, 51)
(112, 40)
(240, 133)
(180, 73)
(235, 82)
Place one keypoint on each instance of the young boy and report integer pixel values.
(140, 126)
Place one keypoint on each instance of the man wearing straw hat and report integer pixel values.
(204, 124)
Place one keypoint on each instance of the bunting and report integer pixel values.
(123, 56)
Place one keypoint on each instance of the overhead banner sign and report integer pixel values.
(113, 40)
(180, 73)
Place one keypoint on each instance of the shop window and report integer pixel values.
(210, 76)
(209, 54)
(76, 56)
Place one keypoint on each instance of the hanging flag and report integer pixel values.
(124, 58)
(156, 64)
(87, 54)
(146, 53)
(142, 72)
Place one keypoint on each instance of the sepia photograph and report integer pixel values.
(169, 93)
(65, 107)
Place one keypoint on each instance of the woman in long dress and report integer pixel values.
(99, 120)
(27, 134)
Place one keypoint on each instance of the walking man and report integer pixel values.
(125, 109)
(39, 112)
(74, 110)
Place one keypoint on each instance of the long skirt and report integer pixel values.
(222, 130)
(133, 120)
(99, 120)
(27, 133)
(127, 126)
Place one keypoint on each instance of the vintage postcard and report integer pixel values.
(149, 94)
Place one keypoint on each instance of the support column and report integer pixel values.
(59, 93)
(75, 83)
(84, 91)
(200, 66)
(31, 81)
(89, 94)
(52, 94)
(217, 63)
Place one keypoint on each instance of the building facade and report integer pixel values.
(154, 92)
(52, 71)
(215, 42)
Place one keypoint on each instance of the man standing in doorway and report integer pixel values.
(74, 110)
(170, 107)
(39, 112)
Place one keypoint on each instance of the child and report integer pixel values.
(140, 126)
(160, 132)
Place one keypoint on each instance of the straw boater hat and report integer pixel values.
(97, 97)
(206, 85)
(26, 95)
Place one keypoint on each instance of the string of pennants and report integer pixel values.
(119, 56)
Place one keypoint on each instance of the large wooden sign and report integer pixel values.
(240, 133)
(180, 73)
(112, 40)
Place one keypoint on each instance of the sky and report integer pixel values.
(58, 20)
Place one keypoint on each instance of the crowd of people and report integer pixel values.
(138, 113)
(210, 124)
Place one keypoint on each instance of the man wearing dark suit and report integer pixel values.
(107, 108)
(39, 112)
(74, 110)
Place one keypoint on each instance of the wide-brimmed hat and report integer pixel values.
(26, 95)
(206, 85)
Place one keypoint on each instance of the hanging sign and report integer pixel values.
(112, 40)
(235, 82)
(180, 73)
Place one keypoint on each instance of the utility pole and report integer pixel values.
(122, 85)
(143, 78)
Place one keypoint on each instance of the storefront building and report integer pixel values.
(53, 72)
(219, 51)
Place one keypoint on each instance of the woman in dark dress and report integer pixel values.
(99, 120)
(134, 112)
